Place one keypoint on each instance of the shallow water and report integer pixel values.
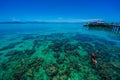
(58, 51)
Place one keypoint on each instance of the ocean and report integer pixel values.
(58, 51)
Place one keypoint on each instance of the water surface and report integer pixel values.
(58, 51)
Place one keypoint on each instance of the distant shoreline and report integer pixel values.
(19, 22)
(48, 21)
(35, 22)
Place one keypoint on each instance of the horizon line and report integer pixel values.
(58, 20)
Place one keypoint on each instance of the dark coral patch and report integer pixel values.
(10, 46)
(51, 69)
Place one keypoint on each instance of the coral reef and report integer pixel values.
(28, 69)
(51, 69)
(18, 74)
(35, 63)
(29, 52)
(10, 46)
(37, 43)
(61, 56)
(70, 47)
(13, 53)
(56, 46)
(60, 60)
(56, 55)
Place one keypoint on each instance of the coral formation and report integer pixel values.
(10, 46)
(13, 53)
(35, 63)
(56, 55)
(29, 52)
(51, 69)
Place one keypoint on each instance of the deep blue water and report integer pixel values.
(55, 27)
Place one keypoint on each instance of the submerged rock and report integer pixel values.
(45, 51)
(30, 73)
(115, 65)
(14, 52)
(56, 55)
(10, 46)
(35, 63)
(4, 66)
(18, 74)
(51, 69)
(106, 71)
(57, 44)
(56, 47)
(60, 77)
(29, 52)
(37, 43)
(106, 75)
(27, 69)
(70, 47)
(63, 77)
(60, 61)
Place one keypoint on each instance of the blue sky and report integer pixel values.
(33, 10)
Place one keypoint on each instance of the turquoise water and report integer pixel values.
(58, 51)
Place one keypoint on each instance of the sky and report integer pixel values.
(38, 10)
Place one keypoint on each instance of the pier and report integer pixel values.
(114, 27)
